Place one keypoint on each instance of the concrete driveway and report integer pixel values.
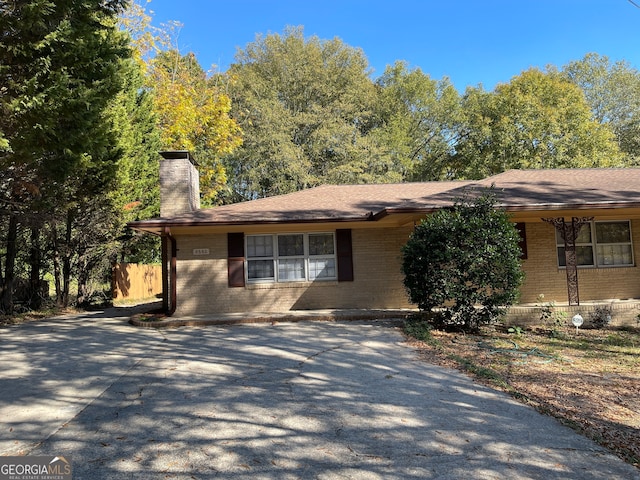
(333, 400)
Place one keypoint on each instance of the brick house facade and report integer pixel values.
(338, 247)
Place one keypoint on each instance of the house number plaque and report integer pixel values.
(201, 251)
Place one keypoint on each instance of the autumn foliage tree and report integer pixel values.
(191, 107)
(193, 114)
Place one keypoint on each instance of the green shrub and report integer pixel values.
(515, 330)
(600, 317)
(465, 260)
(549, 317)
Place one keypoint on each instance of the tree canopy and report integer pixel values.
(612, 90)
(59, 69)
(61, 66)
(312, 114)
(538, 120)
(416, 121)
(306, 107)
(193, 114)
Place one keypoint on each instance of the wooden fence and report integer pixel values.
(134, 281)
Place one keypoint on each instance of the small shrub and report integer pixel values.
(600, 317)
(516, 330)
(546, 310)
(551, 318)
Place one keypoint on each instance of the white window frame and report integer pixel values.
(593, 244)
(276, 258)
(264, 258)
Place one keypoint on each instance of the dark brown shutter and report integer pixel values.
(345, 259)
(523, 239)
(235, 259)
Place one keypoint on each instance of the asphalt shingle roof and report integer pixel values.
(330, 202)
(595, 187)
(516, 190)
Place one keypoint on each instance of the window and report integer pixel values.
(322, 258)
(601, 244)
(291, 257)
(260, 250)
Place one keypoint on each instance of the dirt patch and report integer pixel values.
(588, 379)
(33, 316)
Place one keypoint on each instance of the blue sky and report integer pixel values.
(470, 41)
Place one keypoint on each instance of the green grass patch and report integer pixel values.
(420, 330)
(481, 372)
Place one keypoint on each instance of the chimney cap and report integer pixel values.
(178, 155)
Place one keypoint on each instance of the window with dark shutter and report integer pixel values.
(345, 258)
(523, 239)
(235, 259)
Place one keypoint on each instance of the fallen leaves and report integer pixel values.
(590, 381)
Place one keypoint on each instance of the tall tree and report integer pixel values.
(306, 107)
(417, 117)
(146, 39)
(193, 113)
(100, 234)
(191, 107)
(612, 90)
(137, 193)
(59, 69)
(538, 120)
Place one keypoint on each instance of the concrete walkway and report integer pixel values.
(327, 315)
(304, 400)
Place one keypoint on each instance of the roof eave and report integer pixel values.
(143, 225)
(568, 206)
(385, 212)
(152, 225)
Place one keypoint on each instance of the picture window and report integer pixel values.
(291, 257)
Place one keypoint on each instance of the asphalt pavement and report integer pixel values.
(303, 400)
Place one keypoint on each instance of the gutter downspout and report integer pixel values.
(169, 272)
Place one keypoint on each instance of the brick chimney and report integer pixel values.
(179, 184)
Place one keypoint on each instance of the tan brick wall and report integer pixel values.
(543, 276)
(202, 279)
(623, 313)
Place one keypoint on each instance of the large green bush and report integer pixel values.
(466, 260)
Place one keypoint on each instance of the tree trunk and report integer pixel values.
(83, 280)
(1, 277)
(66, 261)
(6, 295)
(57, 269)
(35, 259)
